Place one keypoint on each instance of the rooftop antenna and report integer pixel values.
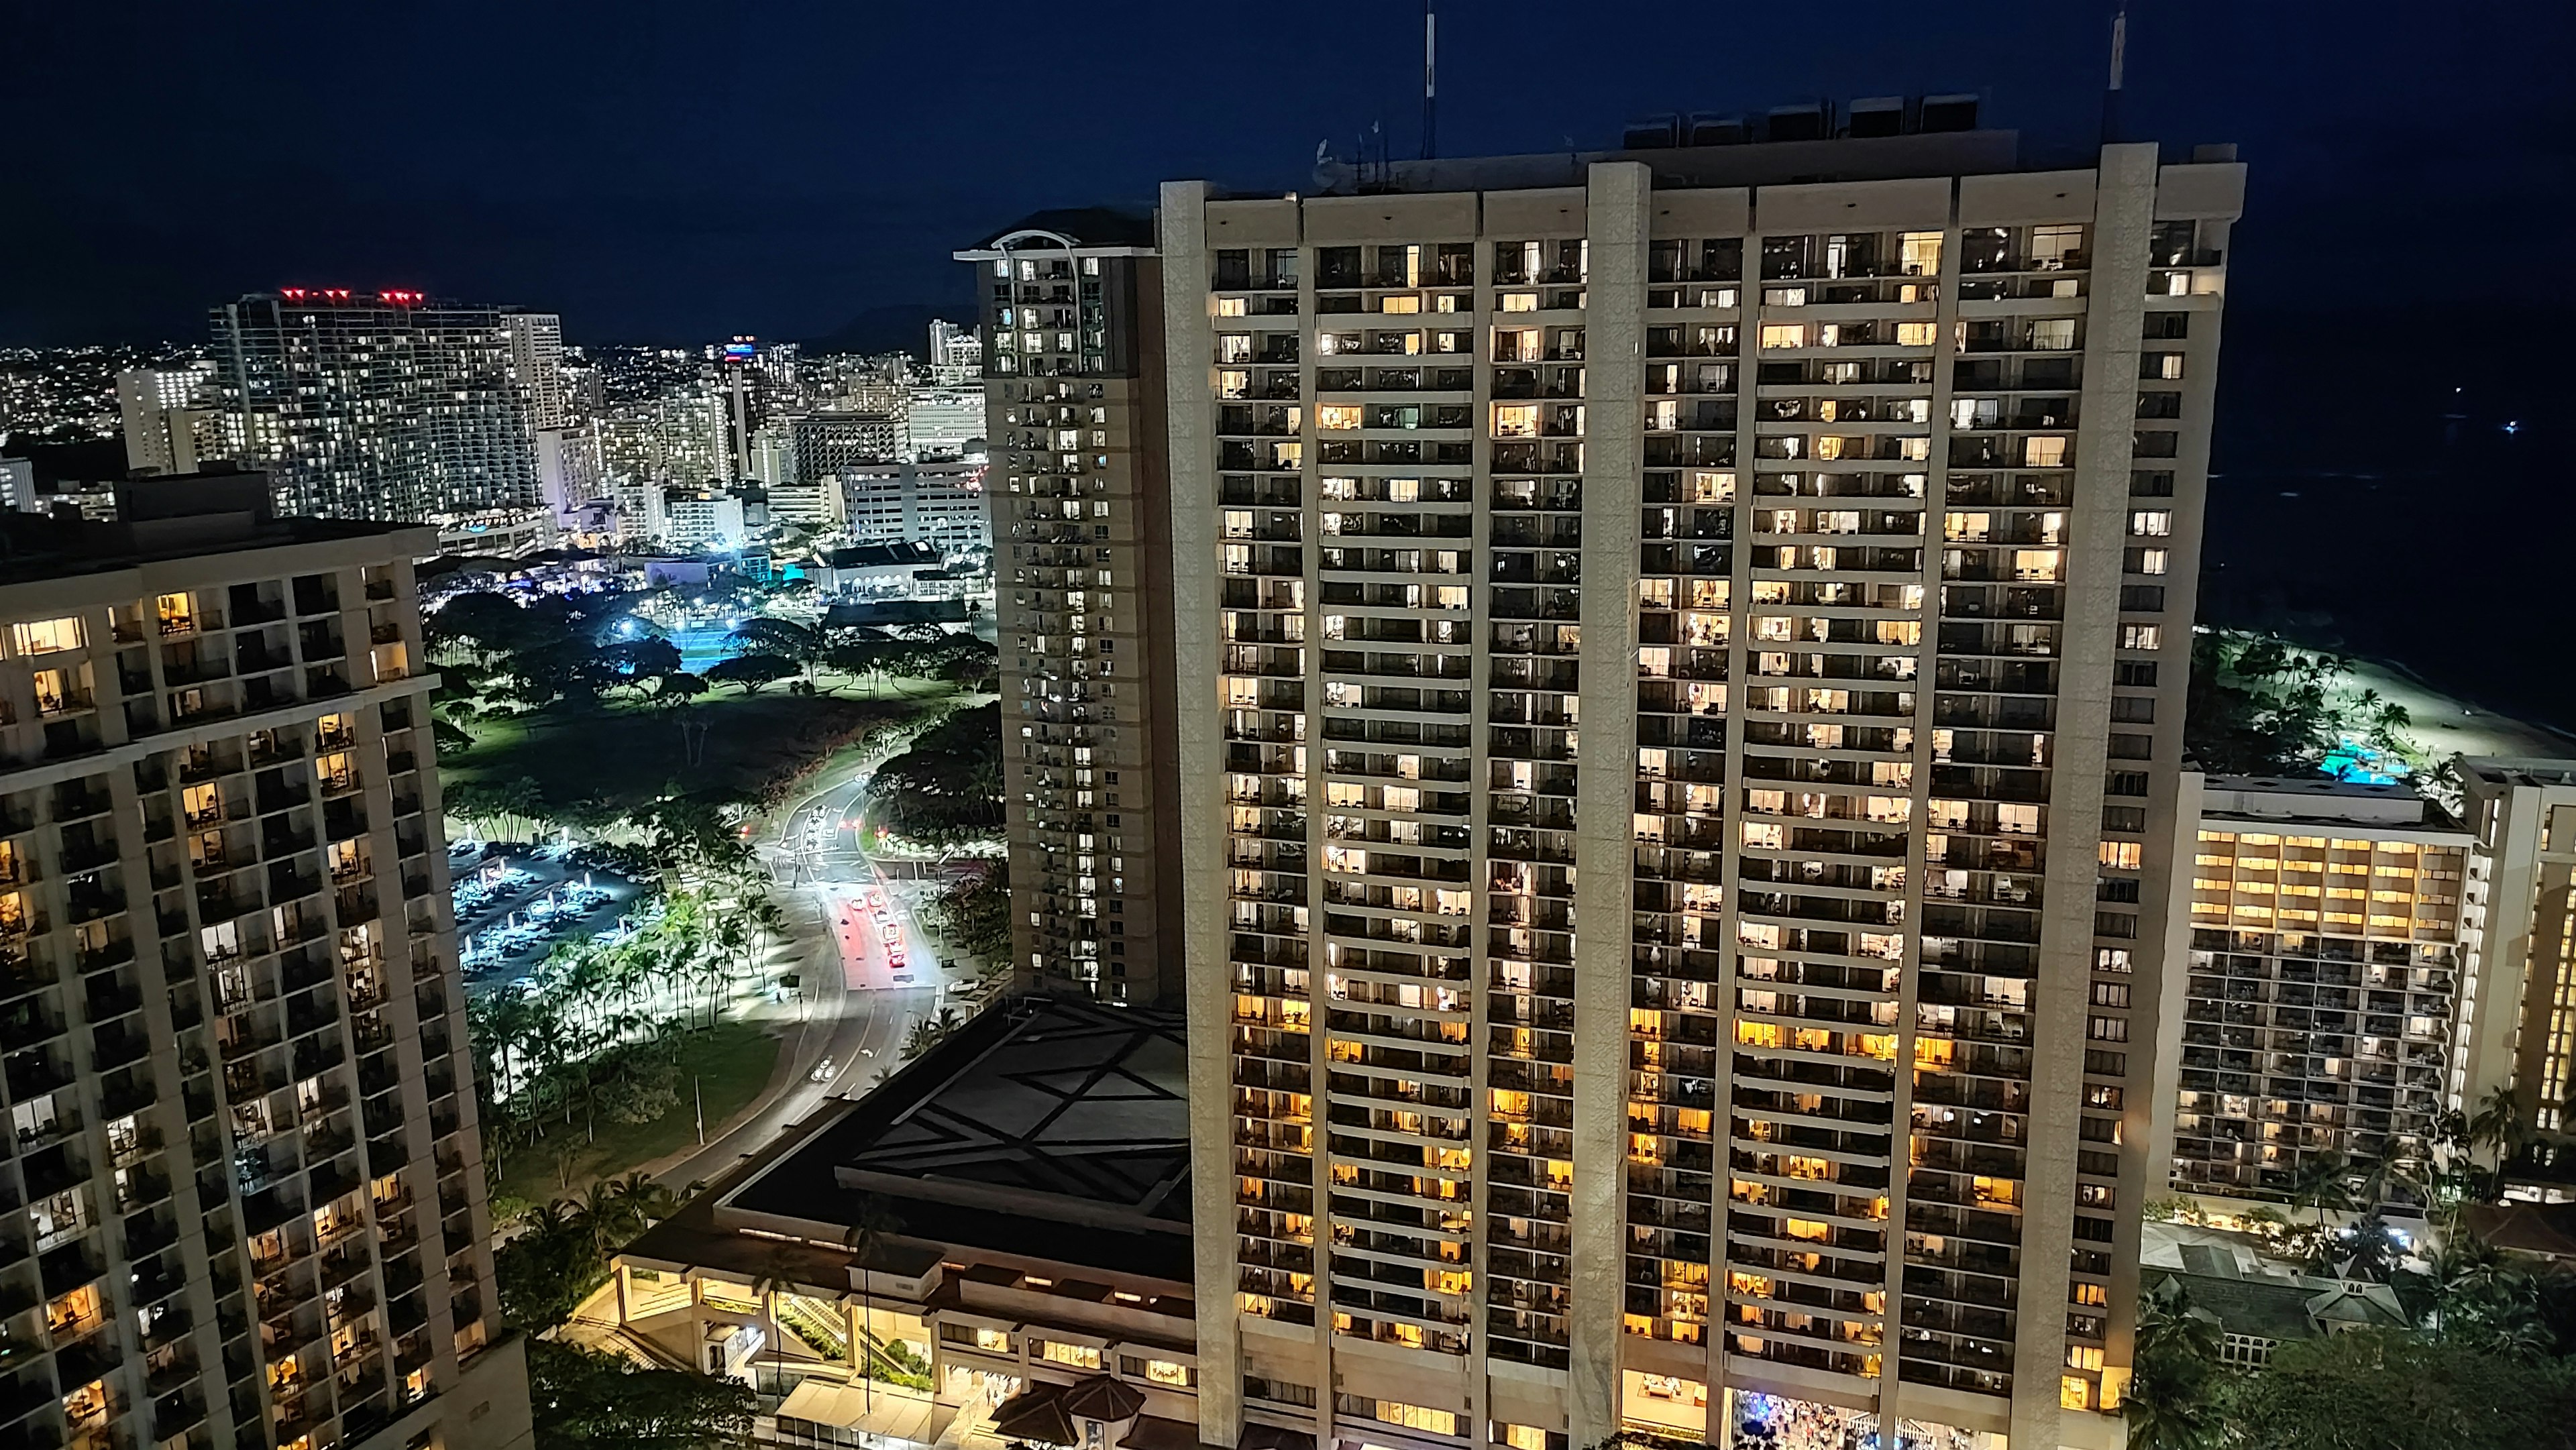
(1430, 82)
(2119, 65)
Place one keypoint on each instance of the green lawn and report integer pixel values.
(732, 1063)
(607, 761)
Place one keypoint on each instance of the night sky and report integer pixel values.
(676, 172)
(2399, 290)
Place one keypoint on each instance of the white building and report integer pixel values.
(947, 421)
(696, 521)
(18, 486)
(956, 354)
(934, 503)
(170, 417)
(810, 503)
(568, 467)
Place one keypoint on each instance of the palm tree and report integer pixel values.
(2167, 1406)
(869, 1228)
(2170, 1324)
(644, 1201)
(2498, 1123)
(2320, 1185)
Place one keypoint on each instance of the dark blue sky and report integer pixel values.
(660, 171)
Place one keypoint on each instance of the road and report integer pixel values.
(854, 1004)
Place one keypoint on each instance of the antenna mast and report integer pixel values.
(2119, 65)
(1430, 83)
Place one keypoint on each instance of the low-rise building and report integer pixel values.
(873, 568)
(993, 1245)
(698, 520)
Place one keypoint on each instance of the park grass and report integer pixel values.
(617, 758)
(731, 1061)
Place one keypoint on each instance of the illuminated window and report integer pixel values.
(44, 636)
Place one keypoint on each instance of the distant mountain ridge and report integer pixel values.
(901, 327)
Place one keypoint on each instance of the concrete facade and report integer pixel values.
(2518, 1016)
(253, 1204)
(1079, 520)
(1553, 557)
(2316, 972)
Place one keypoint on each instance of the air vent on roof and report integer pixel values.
(1878, 116)
(1653, 133)
(1713, 130)
(1949, 113)
(1798, 123)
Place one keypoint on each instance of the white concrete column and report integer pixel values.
(2097, 528)
(1618, 206)
(1189, 363)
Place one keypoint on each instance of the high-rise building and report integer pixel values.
(822, 444)
(2312, 986)
(956, 354)
(944, 421)
(170, 417)
(1080, 526)
(1685, 655)
(934, 503)
(238, 1078)
(2518, 1018)
(390, 406)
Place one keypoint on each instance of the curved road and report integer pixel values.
(853, 1007)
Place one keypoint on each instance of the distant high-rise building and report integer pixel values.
(942, 421)
(1683, 669)
(773, 453)
(18, 486)
(2313, 978)
(569, 467)
(1080, 525)
(831, 441)
(171, 418)
(387, 406)
(956, 354)
(933, 503)
(676, 437)
(242, 1096)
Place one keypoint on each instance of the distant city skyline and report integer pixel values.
(647, 201)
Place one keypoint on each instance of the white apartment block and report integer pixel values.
(1680, 674)
(701, 520)
(387, 406)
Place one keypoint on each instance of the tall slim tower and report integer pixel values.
(1682, 671)
(1078, 493)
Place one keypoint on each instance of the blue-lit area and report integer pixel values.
(2357, 763)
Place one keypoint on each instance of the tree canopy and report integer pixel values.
(2378, 1389)
(948, 786)
(584, 1400)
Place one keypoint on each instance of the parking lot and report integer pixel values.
(514, 905)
